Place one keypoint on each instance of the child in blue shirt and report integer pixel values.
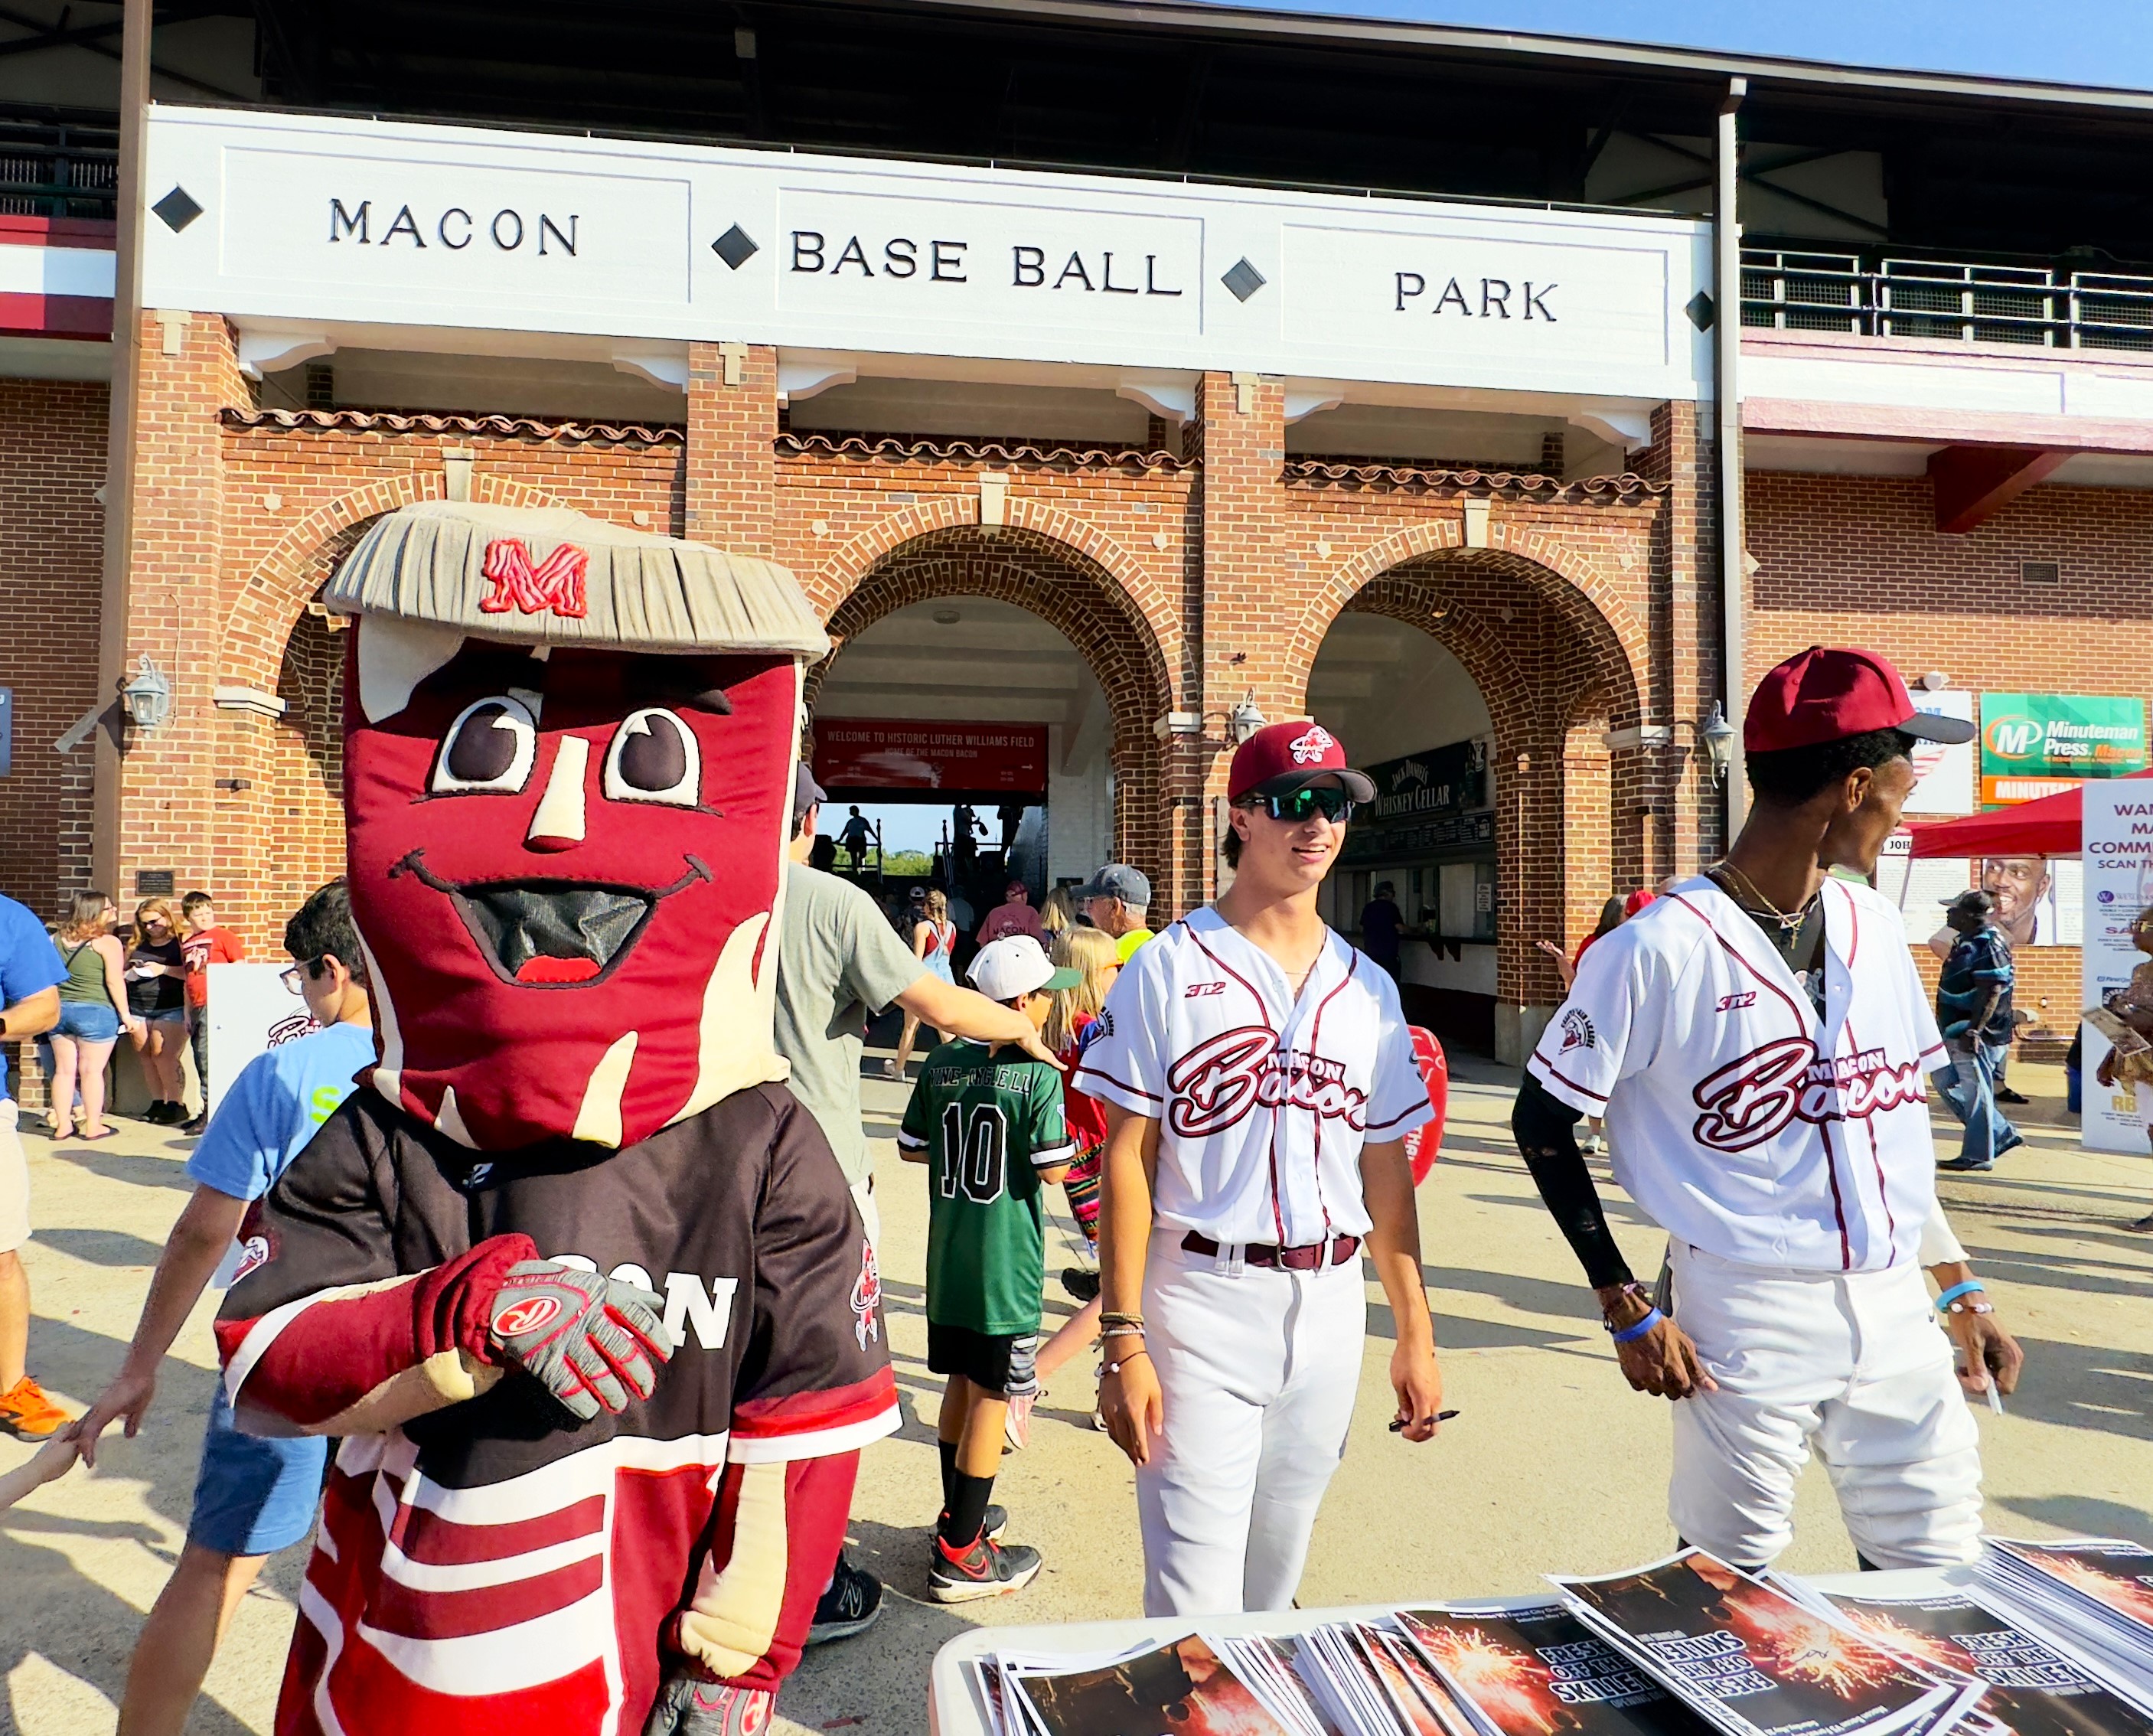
(253, 1496)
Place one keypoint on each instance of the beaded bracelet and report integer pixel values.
(1946, 1303)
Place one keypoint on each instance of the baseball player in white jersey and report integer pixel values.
(1757, 1042)
(1259, 1083)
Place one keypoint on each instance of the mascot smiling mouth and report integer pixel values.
(551, 933)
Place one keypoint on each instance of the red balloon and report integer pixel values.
(1424, 1144)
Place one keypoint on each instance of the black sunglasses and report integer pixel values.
(1335, 805)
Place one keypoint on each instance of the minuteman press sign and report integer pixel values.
(279, 221)
(2034, 744)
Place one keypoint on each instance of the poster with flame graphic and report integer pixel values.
(1538, 1670)
(1752, 1660)
(1183, 1688)
(2033, 1690)
(2113, 1573)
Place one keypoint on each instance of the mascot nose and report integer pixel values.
(559, 823)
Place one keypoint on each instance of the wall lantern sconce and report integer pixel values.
(1718, 735)
(1244, 719)
(147, 695)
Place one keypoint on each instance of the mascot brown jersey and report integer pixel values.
(577, 1281)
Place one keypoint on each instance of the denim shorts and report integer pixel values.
(254, 1495)
(87, 1021)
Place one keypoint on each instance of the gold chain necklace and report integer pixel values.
(1755, 902)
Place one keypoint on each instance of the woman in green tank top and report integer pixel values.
(93, 1009)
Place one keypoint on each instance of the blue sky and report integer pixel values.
(2072, 42)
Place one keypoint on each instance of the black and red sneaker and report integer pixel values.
(987, 1569)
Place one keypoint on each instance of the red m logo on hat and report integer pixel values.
(557, 582)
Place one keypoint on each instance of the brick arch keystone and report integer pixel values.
(1578, 592)
(843, 574)
(1097, 615)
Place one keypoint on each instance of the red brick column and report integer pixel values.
(165, 797)
(1687, 814)
(732, 462)
(1249, 609)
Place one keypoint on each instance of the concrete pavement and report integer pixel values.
(1554, 1464)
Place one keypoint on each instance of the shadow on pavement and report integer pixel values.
(880, 1678)
(120, 1166)
(164, 1456)
(2086, 1516)
(113, 1247)
(89, 1635)
(2085, 1386)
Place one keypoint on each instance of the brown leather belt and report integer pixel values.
(1308, 1257)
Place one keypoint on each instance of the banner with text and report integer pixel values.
(855, 755)
(2034, 744)
(294, 225)
(2118, 845)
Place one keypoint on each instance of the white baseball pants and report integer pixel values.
(1258, 1372)
(1853, 1365)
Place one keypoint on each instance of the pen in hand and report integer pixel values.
(1440, 1417)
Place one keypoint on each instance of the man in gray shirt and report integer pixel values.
(839, 963)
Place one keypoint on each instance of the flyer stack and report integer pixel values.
(2054, 1640)
(2091, 1598)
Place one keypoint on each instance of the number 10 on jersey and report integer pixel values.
(974, 1152)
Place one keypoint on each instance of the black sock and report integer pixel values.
(948, 1469)
(966, 1512)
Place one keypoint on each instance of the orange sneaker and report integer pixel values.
(27, 1414)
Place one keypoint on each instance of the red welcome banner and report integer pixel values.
(876, 753)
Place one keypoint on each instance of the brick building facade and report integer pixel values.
(1195, 554)
(1187, 580)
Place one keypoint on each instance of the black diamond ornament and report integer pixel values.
(735, 247)
(177, 209)
(1243, 279)
(1698, 307)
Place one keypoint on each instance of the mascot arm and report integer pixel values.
(778, 1527)
(329, 1330)
(363, 1358)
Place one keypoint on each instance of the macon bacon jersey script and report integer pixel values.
(494, 1562)
(1740, 1120)
(1264, 1098)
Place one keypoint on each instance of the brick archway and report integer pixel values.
(292, 574)
(1082, 600)
(278, 826)
(1555, 670)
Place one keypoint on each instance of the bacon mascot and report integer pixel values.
(576, 1280)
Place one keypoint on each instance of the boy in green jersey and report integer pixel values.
(989, 1124)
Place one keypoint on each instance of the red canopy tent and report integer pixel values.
(2049, 827)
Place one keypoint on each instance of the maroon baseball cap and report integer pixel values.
(1830, 692)
(1283, 757)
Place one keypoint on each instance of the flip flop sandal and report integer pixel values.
(109, 1132)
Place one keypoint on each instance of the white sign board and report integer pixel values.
(1943, 771)
(295, 218)
(251, 1012)
(2118, 845)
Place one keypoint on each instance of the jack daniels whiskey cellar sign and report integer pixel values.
(1426, 804)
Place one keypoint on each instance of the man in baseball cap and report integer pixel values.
(1756, 1041)
(1260, 1082)
(1117, 899)
(1826, 694)
(1973, 1009)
